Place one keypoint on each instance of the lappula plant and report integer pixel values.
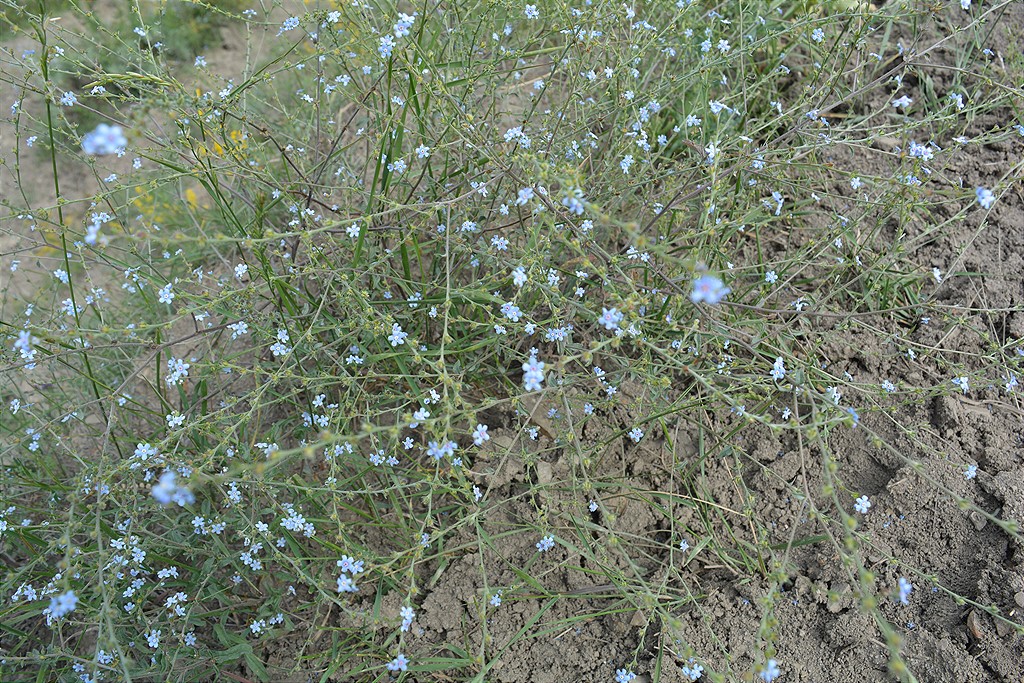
(276, 330)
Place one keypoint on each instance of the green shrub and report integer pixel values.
(402, 295)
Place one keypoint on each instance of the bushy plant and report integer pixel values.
(409, 287)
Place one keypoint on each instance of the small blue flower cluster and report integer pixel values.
(105, 139)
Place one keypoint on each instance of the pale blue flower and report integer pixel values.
(905, 588)
(708, 289)
(771, 671)
(610, 318)
(104, 139)
(399, 663)
(62, 604)
(985, 197)
(778, 369)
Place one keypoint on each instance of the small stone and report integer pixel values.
(1018, 598)
(977, 519)
(1002, 628)
(974, 625)
(839, 598)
